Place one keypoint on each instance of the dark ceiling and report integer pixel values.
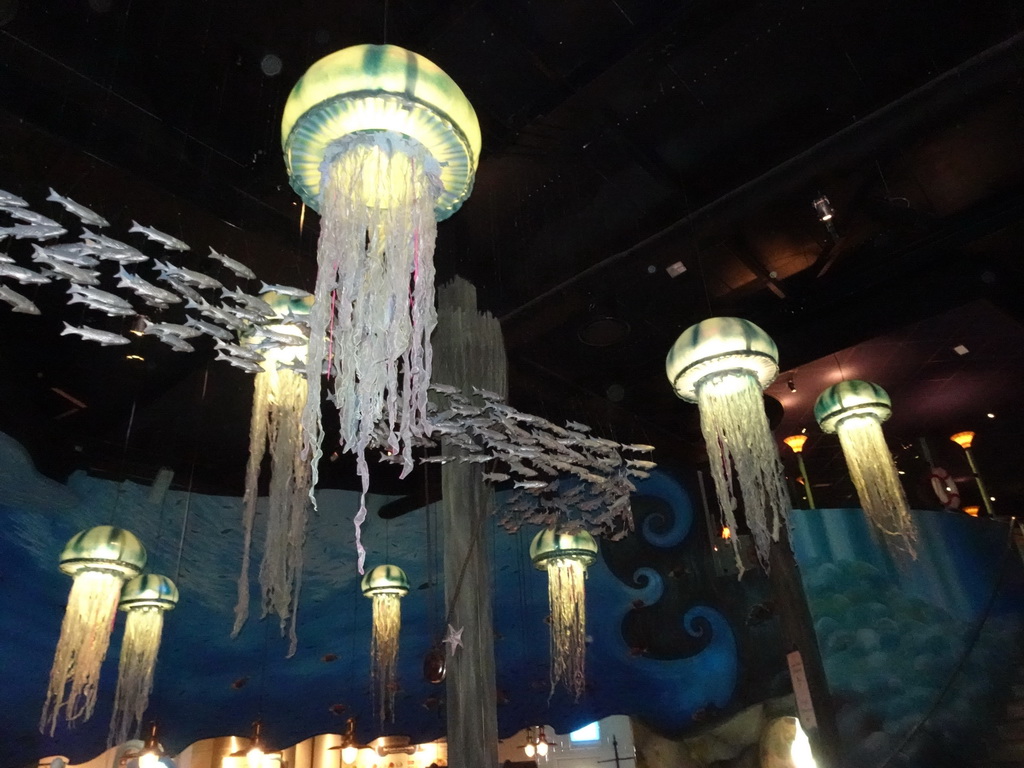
(620, 138)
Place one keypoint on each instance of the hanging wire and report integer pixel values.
(839, 365)
(191, 474)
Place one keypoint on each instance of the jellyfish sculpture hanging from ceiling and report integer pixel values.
(566, 557)
(384, 145)
(145, 599)
(278, 399)
(100, 560)
(723, 364)
(855, 410)
(385, 585)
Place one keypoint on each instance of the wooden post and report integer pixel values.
(809, 683)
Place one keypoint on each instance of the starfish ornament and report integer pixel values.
(453, 639)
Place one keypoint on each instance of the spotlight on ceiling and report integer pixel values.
(823, 208)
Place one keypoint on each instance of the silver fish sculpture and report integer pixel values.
(285, 290)
(22, 275)
(243, 313)
(638, 464)
(575, 426)
(69, 272)
(187, 291)
(235, 266)
(108, 309)
(243, 353)
(210, 329)
(103, 297)
(105, 338)
(69, 253)
(639, 448)
(170, 329)
(486, 394)
(145, 289)
(86, 215)
(282, 339)
(175, 342)
(530, 484)
(38, 232)
(254, 303)
(245, 365)
(18, 302)
(494, 477)
(167, 241)
(28, 216)
(191, 277)
(446, 389)
(215, 313)
(8, 198)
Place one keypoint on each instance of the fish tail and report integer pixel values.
(53, 196)
(136, 227)
(68, 329)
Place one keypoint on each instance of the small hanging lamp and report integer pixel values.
(855, 410)
(145, 599)
(385, 585)
(99, 560)
(384, 145)
(723, 364)
(566, 557)
(151, 752)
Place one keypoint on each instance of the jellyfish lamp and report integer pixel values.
(723, 364)
(384, 145)
(276, 426)
(99, 560)
(566, 557)
(145, 599)
(385, 585)
(855, 410)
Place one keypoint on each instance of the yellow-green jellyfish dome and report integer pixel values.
(368, 88)
(851, 398)
(149, 591)
(104, 548)
(549, 545)
(717, 345)
(385, 580)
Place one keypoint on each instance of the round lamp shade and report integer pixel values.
(549, 545)
(104, 548)
(385, 579)
(149, 591)
(283, 304)
(718, 345)
(372, 88)
(851, 398)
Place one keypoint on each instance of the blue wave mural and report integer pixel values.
(208, 684)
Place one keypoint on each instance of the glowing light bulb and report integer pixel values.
(542, 747)
(726, 532)
(349, 754)
(529, 749)
(254, 757)
(149, 759)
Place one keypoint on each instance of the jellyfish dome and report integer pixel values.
(851, 398)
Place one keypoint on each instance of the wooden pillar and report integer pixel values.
(817, 712)
(469, 352)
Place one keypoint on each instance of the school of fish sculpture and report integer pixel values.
(564, 476)
(237, 323)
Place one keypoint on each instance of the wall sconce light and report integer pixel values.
(796, 443)
(965, 440)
